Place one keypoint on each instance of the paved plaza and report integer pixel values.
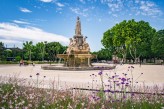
(152, 74)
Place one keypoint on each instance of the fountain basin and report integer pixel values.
(55, 67)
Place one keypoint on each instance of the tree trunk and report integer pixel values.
(42, 57)
(124, 57)
(29, 55)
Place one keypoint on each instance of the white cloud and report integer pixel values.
(114, 15)
(20, 22)
(46, 1)
(84, 10)
(59, 4)
(25, 10)
(149, 9)
(138, 7)
(137, 1)
(79, 11)
(114, 5)
(82, 1)
(15, 33)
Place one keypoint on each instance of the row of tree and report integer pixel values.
(134, 40)
(41, 51)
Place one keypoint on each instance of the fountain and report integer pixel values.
(78, 51)
(77, 55)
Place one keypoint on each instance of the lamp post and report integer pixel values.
(22, 49)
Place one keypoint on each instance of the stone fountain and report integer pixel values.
(78, 51)
(77, 55)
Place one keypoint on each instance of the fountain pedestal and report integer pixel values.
(76, 60)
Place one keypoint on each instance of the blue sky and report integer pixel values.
(54, 20)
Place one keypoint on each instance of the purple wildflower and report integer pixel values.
(124, 97)
(37, 74)
(112, 91)
(97, 98)
(132, 94)
(94, 97)
(123, 79)
(118, 100)
(122, 83)
(128, 79)
(30, 76)
(100, 73)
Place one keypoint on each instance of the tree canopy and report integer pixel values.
(1, 51)
(130, 37)
(158, 44)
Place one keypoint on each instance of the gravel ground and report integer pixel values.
(152, 74)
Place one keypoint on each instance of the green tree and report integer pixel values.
(28, 45)
(54, 48)
(139, 37)
(8, 53)
(2, 48)
(17, 58)
(158, 44)
(114, 40)
(129, 36)
(41, 48)
(103, 54)
(107, 41)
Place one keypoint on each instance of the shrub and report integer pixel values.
(17, 58)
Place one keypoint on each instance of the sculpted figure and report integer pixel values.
(74, 41)
(84, 40)
(87, 48)
(68, 50)
(71, 42)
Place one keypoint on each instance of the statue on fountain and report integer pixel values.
(78, 43)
